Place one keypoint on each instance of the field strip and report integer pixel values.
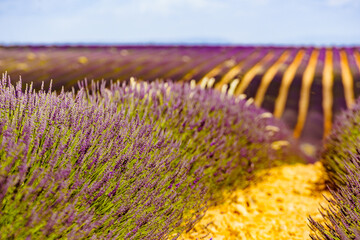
(285, 84)
(196, 65)
(347, 79)
(307, 80)
(248, 77)
(231, 74)
(327, 82)
(268, 77)
(192, 72)
(215, 71)
(226, 63)
(357, 59)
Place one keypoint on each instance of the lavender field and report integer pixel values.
(306, 86)
(137, 142)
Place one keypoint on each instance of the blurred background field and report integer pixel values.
(305, 86)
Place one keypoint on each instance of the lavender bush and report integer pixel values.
(342, 217)
(133, 161)
(341, 158)
(341, 144)
(232, 137)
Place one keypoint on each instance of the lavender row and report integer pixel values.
(73, 168)
(132, 161)
(342, 216)
(341, 144)
(341, 159)
(66, 65)
(84, 62)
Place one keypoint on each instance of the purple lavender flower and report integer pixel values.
(99, 162)
(341, 144)
(342, 216)
(341, 160)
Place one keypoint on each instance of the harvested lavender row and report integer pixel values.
(136, 162)
(342, 216)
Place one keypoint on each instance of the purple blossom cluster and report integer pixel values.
(131, 161)
(341, 159)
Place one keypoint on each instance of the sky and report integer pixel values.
(270, 22)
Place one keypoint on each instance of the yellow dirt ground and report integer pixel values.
(275, 207)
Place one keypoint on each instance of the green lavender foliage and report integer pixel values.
(341, 159)
(342, 216)
(129, 162)
(75, 169)
(341, 144)
(229, 135)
